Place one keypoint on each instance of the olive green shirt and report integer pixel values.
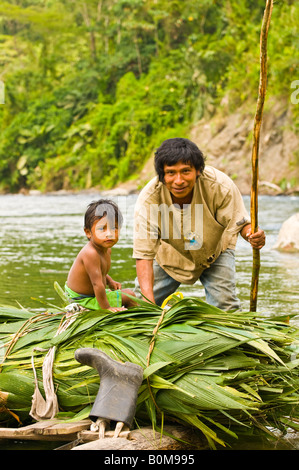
(185, 241)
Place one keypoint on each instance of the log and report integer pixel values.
(175, 438)
(51, 430)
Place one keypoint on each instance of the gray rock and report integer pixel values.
(288, 237)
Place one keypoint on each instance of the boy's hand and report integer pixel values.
(114, 285)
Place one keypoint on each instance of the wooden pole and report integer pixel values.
(255, 149)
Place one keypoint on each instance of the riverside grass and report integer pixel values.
(222, 373)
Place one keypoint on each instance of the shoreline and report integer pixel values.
(127, 189)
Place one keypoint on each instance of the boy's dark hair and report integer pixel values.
(175, 150)
(96, 210)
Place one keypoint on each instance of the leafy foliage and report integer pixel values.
(216, 371)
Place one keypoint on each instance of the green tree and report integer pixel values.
(92, 87)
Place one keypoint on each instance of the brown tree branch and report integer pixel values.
(255, 149)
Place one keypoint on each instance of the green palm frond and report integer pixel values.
(208, 369)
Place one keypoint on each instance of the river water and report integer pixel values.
(41, 235)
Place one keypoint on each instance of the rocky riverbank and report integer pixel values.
(226, 141)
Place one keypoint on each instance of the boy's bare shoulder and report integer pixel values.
(88, 251)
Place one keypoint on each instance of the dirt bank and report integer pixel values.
(226, 140)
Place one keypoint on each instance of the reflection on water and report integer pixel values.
(41, 235)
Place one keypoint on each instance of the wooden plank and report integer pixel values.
(37, 428)
(8, 433)
(46, 430)
(66, 428)
(87, 436)
(16, 434)
(24, 432)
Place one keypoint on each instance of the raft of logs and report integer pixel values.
(78, 436)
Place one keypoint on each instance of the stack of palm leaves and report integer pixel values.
(205, 368)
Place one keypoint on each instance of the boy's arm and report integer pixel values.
(114, 285)
(93, 267)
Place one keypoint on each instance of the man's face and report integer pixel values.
(180, 180)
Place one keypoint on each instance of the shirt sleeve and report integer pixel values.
(231, 213)
(146, 238)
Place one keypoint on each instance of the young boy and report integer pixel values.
(88, 277)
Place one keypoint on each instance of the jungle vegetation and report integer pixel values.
(93, 87)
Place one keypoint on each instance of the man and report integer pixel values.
(187, 221)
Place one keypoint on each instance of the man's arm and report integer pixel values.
(257, 239)
(145, 275)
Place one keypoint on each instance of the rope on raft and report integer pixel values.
(153, 340)
(46, 408)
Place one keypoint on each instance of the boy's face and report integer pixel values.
(104, 233)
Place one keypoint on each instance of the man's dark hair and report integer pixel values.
(175, 150)
(96, 210)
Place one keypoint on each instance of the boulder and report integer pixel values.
(288, 237)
